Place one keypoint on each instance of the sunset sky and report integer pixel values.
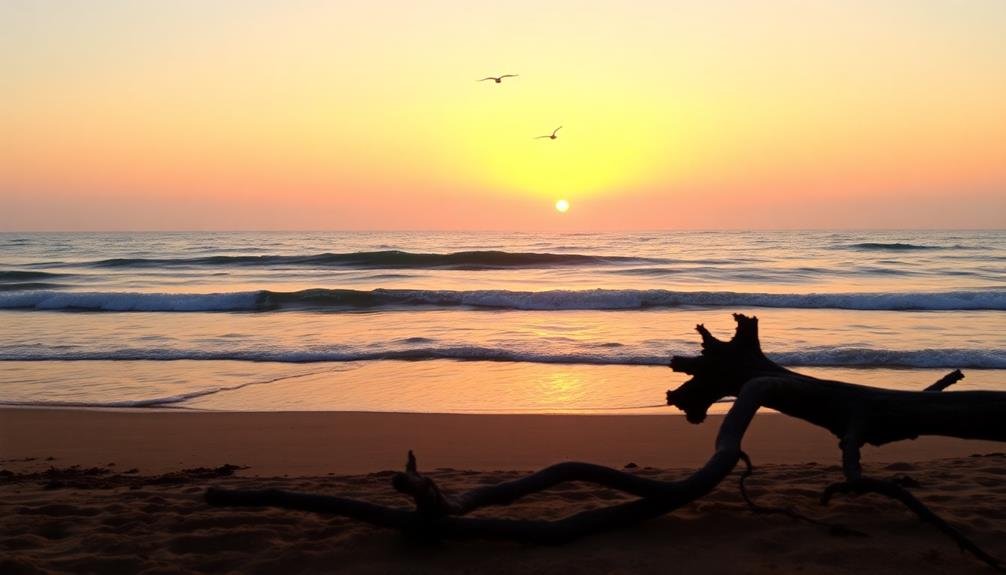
(291, 115)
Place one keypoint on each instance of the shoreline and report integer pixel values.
(317, 443)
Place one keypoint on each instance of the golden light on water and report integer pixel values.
(562, 206)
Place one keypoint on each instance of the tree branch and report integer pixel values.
(436, 515)
(946, 381)
(833, 528)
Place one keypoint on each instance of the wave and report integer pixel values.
(25, 275)
(598, 299)
(117, 301)
(30, 286)
(822, 357)
(899, 246)
(467, 260)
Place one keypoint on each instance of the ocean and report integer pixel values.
(479, 322)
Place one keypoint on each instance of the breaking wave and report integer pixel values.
(598, 299)
(820, 357)
(25, 276)
(467, 260)
(898, 246)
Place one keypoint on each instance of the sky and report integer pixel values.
(296, 114)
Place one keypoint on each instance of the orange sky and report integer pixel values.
(367, 115)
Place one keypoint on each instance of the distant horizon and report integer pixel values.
(492, 231)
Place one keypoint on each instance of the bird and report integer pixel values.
(498, 79)
(551, 136)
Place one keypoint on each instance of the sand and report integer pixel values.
(129, 507)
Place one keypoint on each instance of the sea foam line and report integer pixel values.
(164, 400)
(464, 260)
(598, 299)
(822, 357)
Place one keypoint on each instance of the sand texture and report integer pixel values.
(122, 492)
(106, 520)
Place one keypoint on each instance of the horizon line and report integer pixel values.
(494, 230)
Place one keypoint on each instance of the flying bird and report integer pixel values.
(552, 136)
(498, 79)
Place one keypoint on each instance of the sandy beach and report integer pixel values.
(318, 443)
(134, 503)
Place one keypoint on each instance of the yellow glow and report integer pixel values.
(188, 115)
(562, 206)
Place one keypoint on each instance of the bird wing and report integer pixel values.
(509, 75)
(556, 130)
(489, 78)
(540, 137)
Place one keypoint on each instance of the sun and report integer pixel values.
(562, 206)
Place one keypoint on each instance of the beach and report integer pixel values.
(141, 369)
(134, 501)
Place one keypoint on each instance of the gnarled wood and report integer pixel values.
(867, 414)
(856, 414)
(439, 516)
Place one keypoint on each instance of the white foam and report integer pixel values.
(821, 357)
(599, 299)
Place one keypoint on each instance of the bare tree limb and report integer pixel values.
(833, 528)
(946, 381)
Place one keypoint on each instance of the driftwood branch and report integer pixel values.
(850, 467)
(946, 381)
(833, 528)
(855, 414)
(437, 515)
(738, 368)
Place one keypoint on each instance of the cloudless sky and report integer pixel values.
(350, 114)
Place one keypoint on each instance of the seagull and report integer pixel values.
(552, 136)
(498, 79)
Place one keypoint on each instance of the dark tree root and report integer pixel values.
(899, 493)
(417, 524)
(431, 501)
(852, 470)
(835, 529)
(438, 515)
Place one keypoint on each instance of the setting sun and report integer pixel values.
(562, 206)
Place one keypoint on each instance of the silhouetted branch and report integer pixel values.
(946, 381)
(833, 528)
(856, 414)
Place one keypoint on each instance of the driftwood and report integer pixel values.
(856, 414)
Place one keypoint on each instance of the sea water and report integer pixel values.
(479, 322)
